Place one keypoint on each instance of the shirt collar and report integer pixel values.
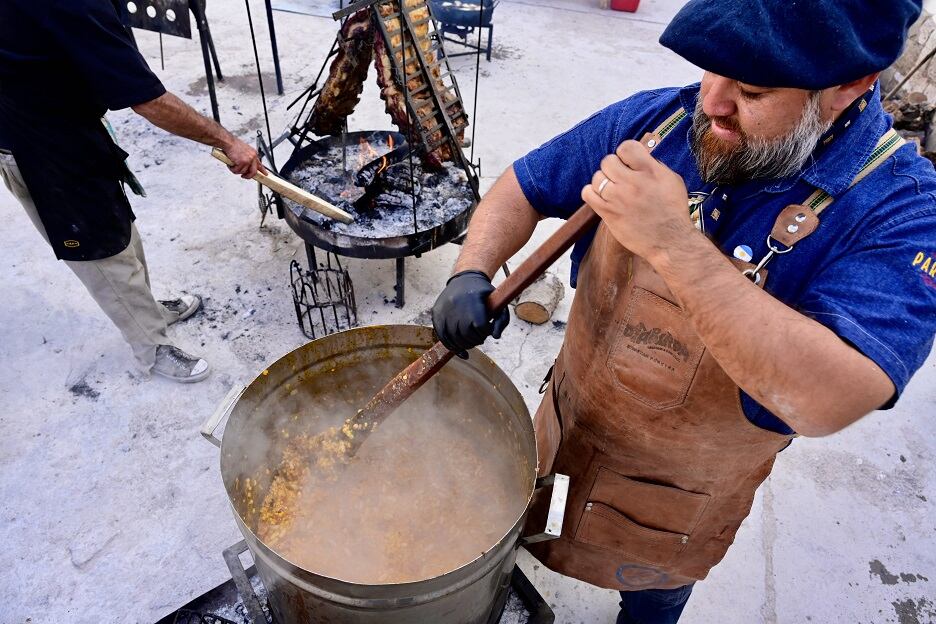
(841, 151)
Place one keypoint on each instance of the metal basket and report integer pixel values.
(323, 298)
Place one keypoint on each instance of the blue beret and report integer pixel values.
(806, 44)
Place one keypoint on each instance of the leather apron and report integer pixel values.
(663, 462)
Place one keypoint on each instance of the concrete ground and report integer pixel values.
(111, 506)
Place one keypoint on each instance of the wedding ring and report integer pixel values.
(602, 186)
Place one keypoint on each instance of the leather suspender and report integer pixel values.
(796, 221)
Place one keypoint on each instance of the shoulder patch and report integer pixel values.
(925, 262)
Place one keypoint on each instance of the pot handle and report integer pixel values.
(557, 507)
(221, 412)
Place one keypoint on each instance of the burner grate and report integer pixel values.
(245, 599)
(323, 297)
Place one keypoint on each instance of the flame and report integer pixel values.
(367, 153)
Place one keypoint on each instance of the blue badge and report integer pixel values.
(743, 252)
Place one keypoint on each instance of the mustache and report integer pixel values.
(727, 122)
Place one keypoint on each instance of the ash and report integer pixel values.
(385, 208)
(515, 612)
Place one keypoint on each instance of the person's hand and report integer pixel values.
(460, 314)
(644, 204)
(246, 161)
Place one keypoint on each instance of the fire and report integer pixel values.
(367, 153)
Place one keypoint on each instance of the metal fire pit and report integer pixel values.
(312, 228)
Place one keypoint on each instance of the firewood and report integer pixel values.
(537, 303)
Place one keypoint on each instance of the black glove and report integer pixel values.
(460, 315)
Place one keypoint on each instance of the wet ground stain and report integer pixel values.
(909, 611)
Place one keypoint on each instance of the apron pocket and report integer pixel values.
(647, 522)
(656, 351)
(607, 528)
(654, 505)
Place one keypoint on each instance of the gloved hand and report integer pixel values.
(460, 315)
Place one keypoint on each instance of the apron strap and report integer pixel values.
(797, 221)
(651, 139)
(885, 148)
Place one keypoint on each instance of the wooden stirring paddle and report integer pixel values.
(429, 363)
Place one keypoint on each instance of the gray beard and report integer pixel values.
(759, 158)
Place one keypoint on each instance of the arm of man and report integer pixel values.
(98, 46)
(793, 365)
(173, 115)
(502, 223)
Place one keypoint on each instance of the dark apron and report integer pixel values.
(73, 170)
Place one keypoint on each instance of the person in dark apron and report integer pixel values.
(761, 232)
(63, 64)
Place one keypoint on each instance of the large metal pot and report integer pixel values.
(251, 449)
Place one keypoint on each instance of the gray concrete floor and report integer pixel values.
(111, 504)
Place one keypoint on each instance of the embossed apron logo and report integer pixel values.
(656, 338)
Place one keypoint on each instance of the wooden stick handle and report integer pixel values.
(536, 264)
(291, 191)
(429, 363)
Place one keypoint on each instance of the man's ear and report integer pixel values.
(842, 96)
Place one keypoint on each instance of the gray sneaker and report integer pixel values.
(185, 306)
(177, 365)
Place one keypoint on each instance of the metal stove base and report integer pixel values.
(243, 600)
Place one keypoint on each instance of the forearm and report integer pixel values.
(792, 365)
(173, 115)
(502, 223)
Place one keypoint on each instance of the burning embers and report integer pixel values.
(371, 178)
(408, 191)
(368, 172)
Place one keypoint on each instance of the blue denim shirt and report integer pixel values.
(868, 273)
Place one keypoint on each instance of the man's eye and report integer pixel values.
(750, 95)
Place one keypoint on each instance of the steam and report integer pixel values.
(443, 479)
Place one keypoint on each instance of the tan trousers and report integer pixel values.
(119, 284)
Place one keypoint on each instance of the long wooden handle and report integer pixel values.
(293, 192)
(429, 363)
(536, 264)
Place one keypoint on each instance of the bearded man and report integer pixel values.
(793, 297)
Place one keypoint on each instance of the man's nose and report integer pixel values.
(720, 101)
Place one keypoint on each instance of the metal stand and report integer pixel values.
(538, 610)
(323, 296)
(208, 53)
(400, 286)
(276, 61)
(463, 33)
(242, 582)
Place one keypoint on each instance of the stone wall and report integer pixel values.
(921, 40)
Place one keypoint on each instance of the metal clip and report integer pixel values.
(754, 274)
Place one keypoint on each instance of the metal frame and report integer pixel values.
(540, 611)
(323, 296)
(449, 134)
(453, 29)
(297, 133)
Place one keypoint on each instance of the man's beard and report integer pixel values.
(753, 158)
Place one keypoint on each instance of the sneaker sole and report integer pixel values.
(192, 379)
